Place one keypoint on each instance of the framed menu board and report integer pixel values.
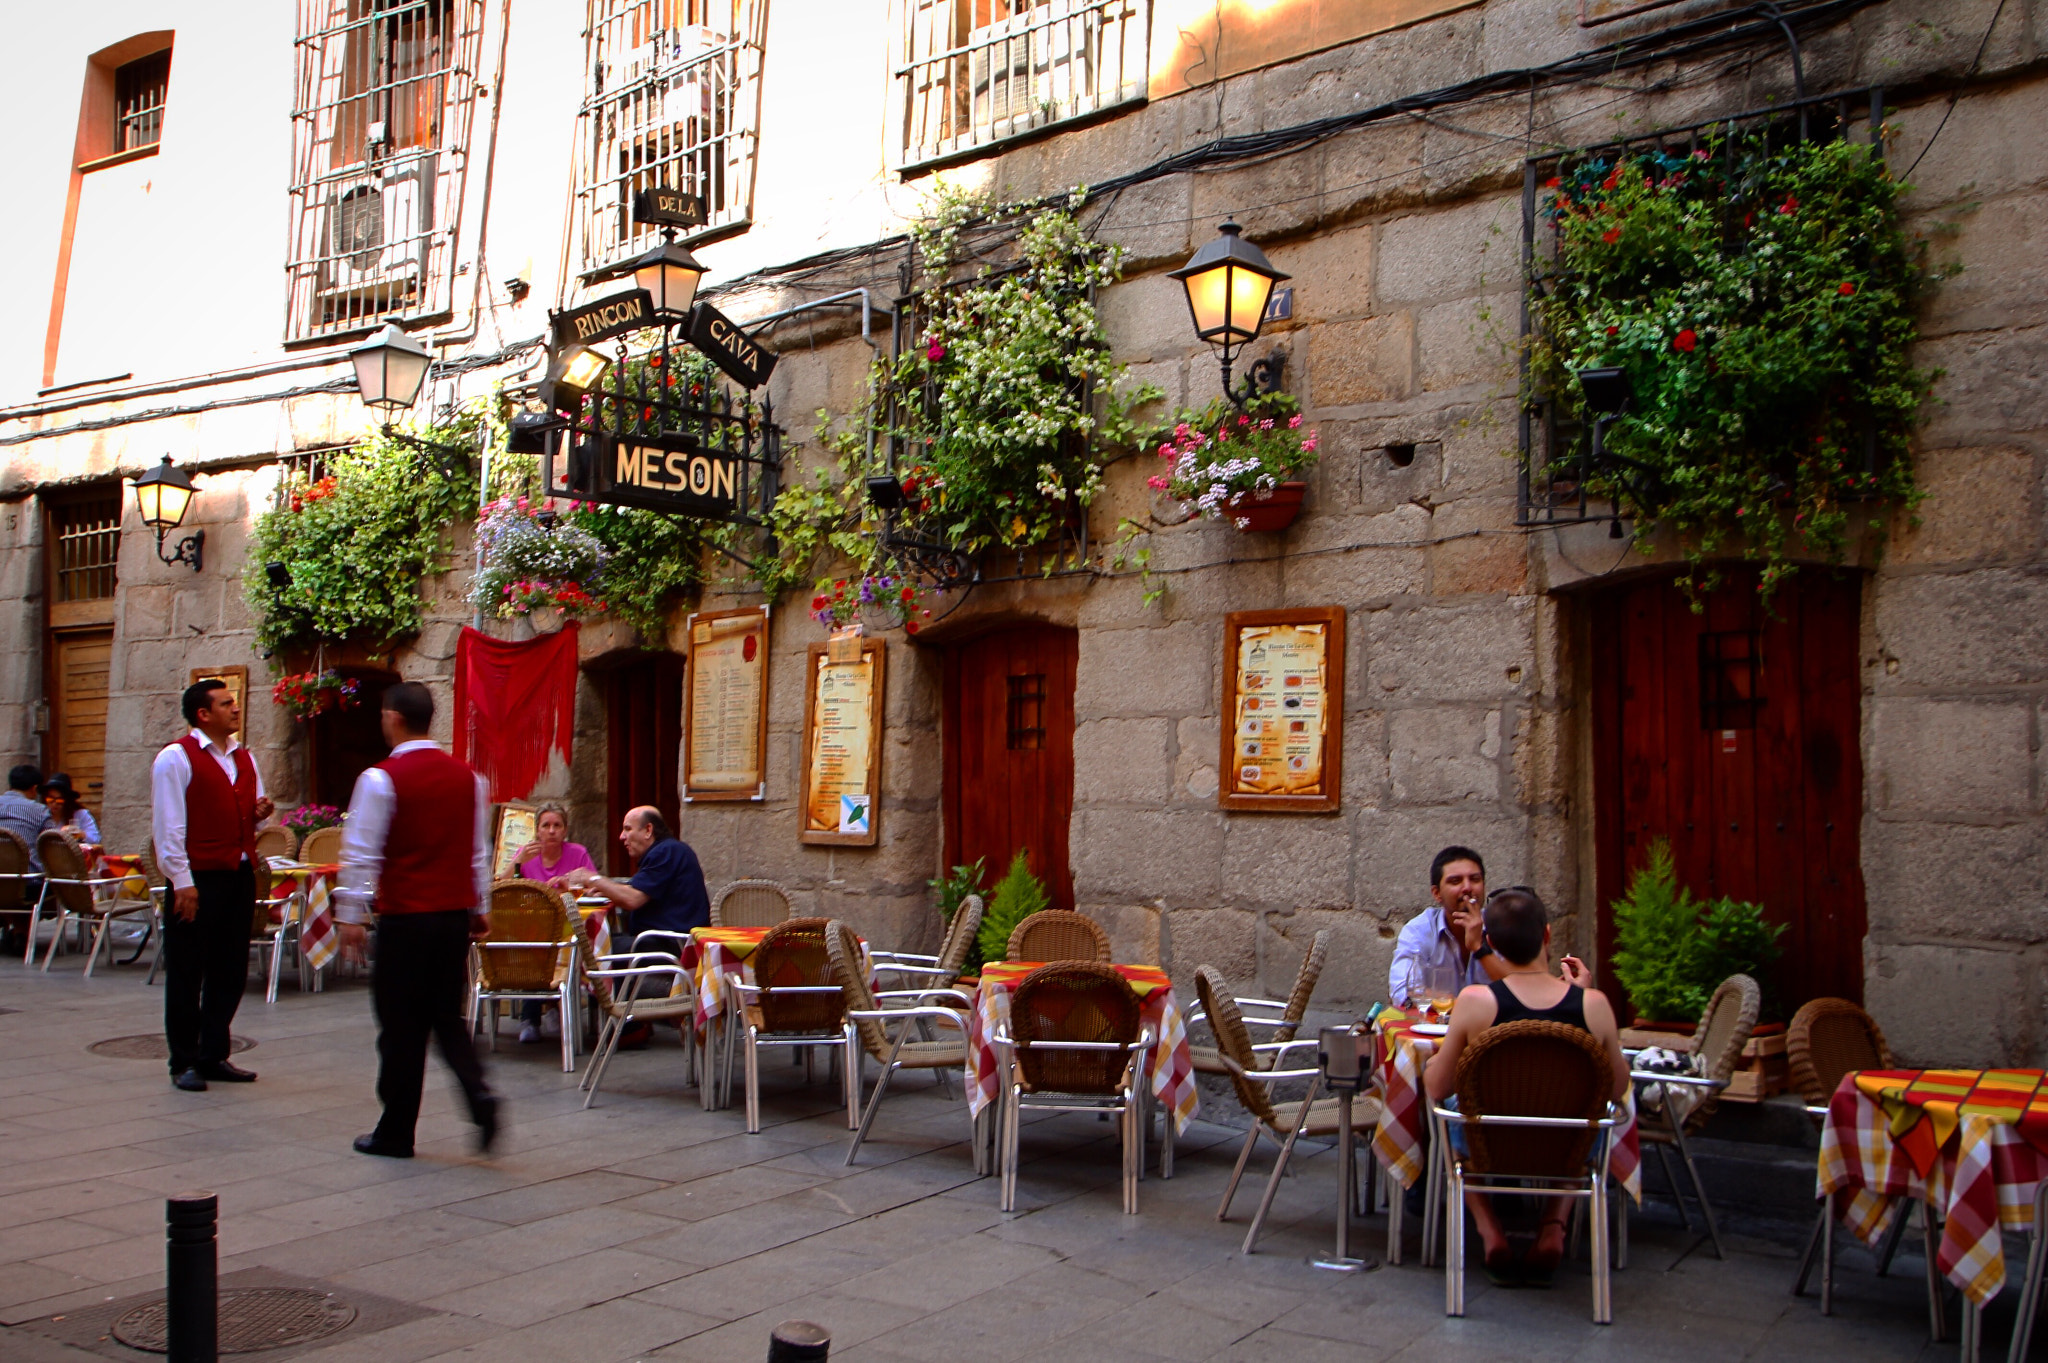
(725, 705)
(518, 825)
(842, 746)
(1283, 709)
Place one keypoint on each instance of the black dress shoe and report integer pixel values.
(370, 1145)
(486, 1125)
(221, 1072)
(192, 1081)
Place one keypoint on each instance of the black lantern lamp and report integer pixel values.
(1228, 283)
(390, 369)
(163, 495)
(1608, 394)
(670, 274)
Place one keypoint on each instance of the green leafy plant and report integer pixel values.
(1761, 299)
(950, 891)
(1017, 896)
(357, 544)
(1672, 950)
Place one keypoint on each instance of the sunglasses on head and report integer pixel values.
(1492, 895)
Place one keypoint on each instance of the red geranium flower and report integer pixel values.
(1685, 340)
(1846, 289)
(1552, 183)
(1614, 331)
(1611, 235)
(1789, 204)
(910, 593)
(910, 627)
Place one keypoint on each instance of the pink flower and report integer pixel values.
(1158, 484)
(935, 352)
(1294, 421)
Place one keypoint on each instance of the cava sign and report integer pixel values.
(668, 208)
(607, 317)
(744, 359)
(659, 473)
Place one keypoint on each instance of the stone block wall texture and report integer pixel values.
(1465, 700)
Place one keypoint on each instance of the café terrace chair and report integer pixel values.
(276, 841)
(1252, 1077)
(321, 847)
(531, 926)
(653, 987)
(1723, 1031)
(795, 1001)
(15, 879)
(1075, 1042)
(1283, 1016)
(80, 898)
(750, 904)
(274, 923)
(871, 1019)
(942, 971)
(1058, 935)
(159, 891)
(1533, 1096)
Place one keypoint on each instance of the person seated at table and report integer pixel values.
(666, 892)
(65, 807)
(549, 858)
(1447, 933)
(23, 812)
(1518, 928)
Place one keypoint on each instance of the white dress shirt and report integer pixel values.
(369, 823)
(167, 781)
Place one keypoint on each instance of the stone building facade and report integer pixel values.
(1469, 711)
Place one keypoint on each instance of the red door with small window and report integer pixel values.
(1734, 734)
(1009, 752)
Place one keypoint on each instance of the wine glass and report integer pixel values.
(1440, 987)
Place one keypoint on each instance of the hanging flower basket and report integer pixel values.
(1256, 513)
(1239, 466)
(306, 694)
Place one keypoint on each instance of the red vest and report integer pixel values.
(427, 853)
(220, 817)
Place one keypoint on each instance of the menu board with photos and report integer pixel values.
(725, 701)
(843, 746)
(1283, 704)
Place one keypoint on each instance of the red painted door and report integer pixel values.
(1734, 734)
(643, 743)
(1009, 750)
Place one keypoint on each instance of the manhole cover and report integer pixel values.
(251, 1320)
(151, 1047)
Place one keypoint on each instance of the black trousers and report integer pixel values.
(206, 965)
(417, 984)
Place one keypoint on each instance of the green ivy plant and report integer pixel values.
(1760, 298)
(356, 553)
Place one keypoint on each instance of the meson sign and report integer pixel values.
(661, 473)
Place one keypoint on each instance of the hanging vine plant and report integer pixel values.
(1760, 298)
(356, 544)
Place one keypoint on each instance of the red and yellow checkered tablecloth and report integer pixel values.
(318, 940)
(713, 953)
(1971, 1143)
(1398, 1142)
(1170, 1066)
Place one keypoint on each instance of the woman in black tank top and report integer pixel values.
(1570, 1010)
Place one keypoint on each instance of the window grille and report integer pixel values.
(139, 90)
(86, 540)
(976, 72)
(1731, 677)
(380, 149)
(672, 99)
(1026, 717)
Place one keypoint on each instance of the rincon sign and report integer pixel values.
(660, 473)
(607, 317)
(746, 360)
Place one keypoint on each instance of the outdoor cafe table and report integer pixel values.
(1971, 1144)
(313, 885)
(1170, 1067)
(1398, 1142)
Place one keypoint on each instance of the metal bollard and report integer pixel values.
(799, 1341)
(191, 1287)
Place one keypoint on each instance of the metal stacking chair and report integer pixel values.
(1253, 1076)
(1532, 1098)
(871, 1019)
(276, 841)
(531, 926)
(943, 971)
(268, 934)
(80, 898)
(795, 1000)
(16, 880)
(1058, 935)
(1283, 1016)
(750, 904)
(653, 987)
(1074, 1043)
(1723, 1031)
(322, 847)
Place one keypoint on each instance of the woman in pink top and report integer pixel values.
(547, 859)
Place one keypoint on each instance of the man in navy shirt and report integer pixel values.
(666, 892)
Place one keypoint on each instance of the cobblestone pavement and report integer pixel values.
(648, 1228)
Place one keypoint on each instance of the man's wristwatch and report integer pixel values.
(1485, 950)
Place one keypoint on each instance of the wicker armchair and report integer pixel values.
(750, 904)
(1253, 1076)
(531, 926)
(1058, 935)
(276, 841)
(871, 1019)
(159, 891)
(1074, 1043)
(322, 847)
(1284, 1017)
(653, 987)
(795, 1001)
(1723, 1031)
(1532, 1098)
(15, 878)
(80, 898)
(943, 971)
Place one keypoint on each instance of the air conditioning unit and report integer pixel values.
(1027, 71)
(376, 237)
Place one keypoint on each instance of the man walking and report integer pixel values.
(206, 798)
(418, 839)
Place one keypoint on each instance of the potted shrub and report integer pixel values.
(1242, 466)
(1672, 950)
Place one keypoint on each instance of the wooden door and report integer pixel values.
(1009, 752)
(343, 744)
(78, 716)
(1734, 734)
(643, 743)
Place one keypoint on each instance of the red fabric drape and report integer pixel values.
(514, 701)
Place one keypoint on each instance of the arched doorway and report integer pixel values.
(343, 744)
(1009, 752)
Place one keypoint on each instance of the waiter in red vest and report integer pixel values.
(206, 798)
(418, 840)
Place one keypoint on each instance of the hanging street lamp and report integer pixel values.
(390, 369)
(1229, 282)
(163, 495)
